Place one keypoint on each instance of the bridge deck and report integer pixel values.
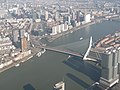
(64, 51)
(80, 48)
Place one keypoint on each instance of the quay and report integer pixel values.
(34, 51)
(53, 37)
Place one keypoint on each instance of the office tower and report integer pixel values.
(119, 60)
(87, 18)
(69, 20)
(109, 75)
(15, 34)
(46, 15)
(78, 16)
(73, 15)
(23, 40)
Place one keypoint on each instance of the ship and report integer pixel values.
(59, 86)
(38, 54)
(69, 56)
(81, 38)
(17, 65)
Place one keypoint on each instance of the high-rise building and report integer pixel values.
(109, 75)
(87, 18)
(73, 15)
(119, 61)
(15, 34)
(23, 40)
(69, 20)
(46, 15)
(57, 15)
(78, 16)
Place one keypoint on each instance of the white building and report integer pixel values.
(54, 30)
(3, 13)
(87, 18)
(6, 45)
(69, 20)
(59, 29)
(62, 27)
(46, 15)
(65, 27)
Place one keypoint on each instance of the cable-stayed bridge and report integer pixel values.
(80, 48)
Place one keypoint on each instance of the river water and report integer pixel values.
(42, 73)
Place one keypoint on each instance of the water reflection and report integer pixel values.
(28, 87)
(77, 80)
(88, 69)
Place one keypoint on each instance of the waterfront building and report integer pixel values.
(107, 50)
(62, 27)
(59, 28)
(109, 64)
(82, 18)
(46, 15)
(73, 23)
(3, 13)
(87, 18)
(54, 30)
(69, 20)
(65, 27)
(73, 15)
(23, 40)
(57, 15)
(78, 16)
(15, 34)
(6, 45)
(119, 61)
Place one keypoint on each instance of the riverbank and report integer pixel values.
(50, 39)
(15, 63)
(54, 37)
(34, 51)
(39, 72)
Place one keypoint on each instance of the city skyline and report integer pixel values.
(78, 40)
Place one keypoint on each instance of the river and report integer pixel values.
(42, 73)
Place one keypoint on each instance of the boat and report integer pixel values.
(38, 54)
(69, 56)
(97, 83)
(17, 65)
(43, 51)
(81, 38)
(59, 86)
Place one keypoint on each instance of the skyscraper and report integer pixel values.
(23, 40)
(57, 15)
(78, 16)
(15, 34)
(46, 15)
(109, 75)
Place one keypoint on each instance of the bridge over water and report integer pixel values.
(80, 48)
